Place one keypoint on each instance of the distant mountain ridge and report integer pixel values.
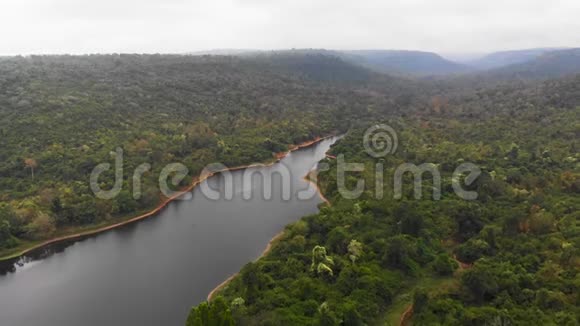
(357, 65)
(550, 64)
(406, 62)
(506, 58)
(401, 62)
(321, 65)
(230, 52)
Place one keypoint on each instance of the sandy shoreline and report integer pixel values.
(229, 279)
(161, 206)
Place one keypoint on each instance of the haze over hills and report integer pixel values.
(406, 62)
(538, 62)
(400, 62)
(225, 52)
(506, 58)
(547, 65)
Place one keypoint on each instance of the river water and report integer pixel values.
(152, 272)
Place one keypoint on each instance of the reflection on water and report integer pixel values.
(153, 271)
(33, 257)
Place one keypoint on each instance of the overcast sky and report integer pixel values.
(176, 26)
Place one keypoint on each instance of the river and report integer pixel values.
(151, 272)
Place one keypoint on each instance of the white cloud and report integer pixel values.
(170, 26)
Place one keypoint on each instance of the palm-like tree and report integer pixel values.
(31, 164)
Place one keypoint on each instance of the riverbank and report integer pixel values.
(76, 234)
(227, 281)
(314, 183)
(276, 238)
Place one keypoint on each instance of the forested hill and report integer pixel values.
(551, 64)
(60, 116)
(317, 65)
(507, 58)
(500, 97)
(509, 257)
(395, 62)
(416, 63)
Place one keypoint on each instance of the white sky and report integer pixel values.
(175, 26)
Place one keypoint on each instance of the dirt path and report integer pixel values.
(406, 316)
(461, 264)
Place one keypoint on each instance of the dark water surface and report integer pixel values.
(152, 272)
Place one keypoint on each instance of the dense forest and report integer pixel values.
(509, 257)
(61, 116)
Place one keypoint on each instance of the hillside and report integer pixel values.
(506, 58)
(60, 116)
(405, 62)
(555, 65)
(507, 257)
(319, 65)
(548, 65)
